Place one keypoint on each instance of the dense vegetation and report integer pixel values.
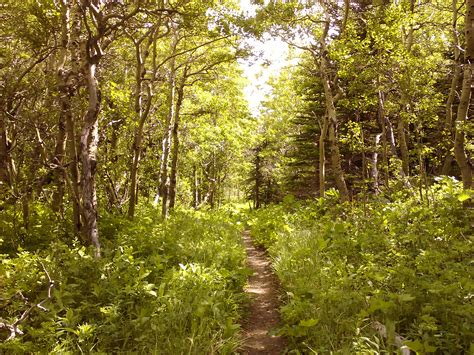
(126, 143)
(349, 271)
(168, 287)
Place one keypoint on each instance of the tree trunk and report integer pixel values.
(166, 145)
(175, 139)
(461, 119)
(65, 109)
(322, 157)
(141, 110)
(195, 188)
(7, 165)
(374, 172)
(199, 185)
(73, 80)
(58, 162)
(332, 114)
(448, 122)
(88, 147)
(333, 141)
(364, 158)
(402, 126)
(4, 156)
(71, 146)
(383, 124)
(402, 141)
(258, 178)
(25, 207)
(113, 186)
(213, 181)
(336, 163)
(464, 103)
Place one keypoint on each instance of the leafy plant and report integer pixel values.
(173, 286)
(357, 277)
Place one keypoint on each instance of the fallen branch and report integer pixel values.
(398, 339)
(13, 328)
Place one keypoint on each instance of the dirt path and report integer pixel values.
(263, 311)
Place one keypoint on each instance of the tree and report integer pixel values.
(465, 100)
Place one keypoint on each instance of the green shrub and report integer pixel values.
(347, 268)
(172, 287)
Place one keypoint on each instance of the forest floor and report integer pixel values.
(262, 317)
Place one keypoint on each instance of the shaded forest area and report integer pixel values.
(131, 165)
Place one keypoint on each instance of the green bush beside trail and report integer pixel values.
(167, 288)
(347, 270)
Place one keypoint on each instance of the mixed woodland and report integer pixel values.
(131, 164)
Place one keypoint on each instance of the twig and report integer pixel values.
(382, 330)
(51, 285)
(13, 328)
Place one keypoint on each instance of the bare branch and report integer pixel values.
(13, 328)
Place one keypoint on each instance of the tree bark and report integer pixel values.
(213, 178)
(4, 156)
(58, 163)
(322, 157)
(142, 111)
(402, 126)
(7, 165)
(333, 141)
(383, 125)
(364, 158)
(90, 50)
(167, 135)
(374, 171)
(462, 116)
(9, 192)
(258, 179)
(402, 141)
(175, 139)
(71, 146)
(89, 144)
(166, 145)
(332, 114)
(64, 91)
(113, 184)
(195, 188)
(336, 163)
(448, 122)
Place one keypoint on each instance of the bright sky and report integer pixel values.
(272, 56)
(258, 71)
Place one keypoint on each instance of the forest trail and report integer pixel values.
(263, 313)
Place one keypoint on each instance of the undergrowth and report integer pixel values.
(171, 288)
(373, 277)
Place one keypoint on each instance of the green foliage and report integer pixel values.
(172, 287)
(42, 225)
(345, 269)
(266, 224)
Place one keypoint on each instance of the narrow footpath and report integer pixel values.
(263, 313)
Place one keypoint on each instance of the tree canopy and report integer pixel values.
(122, 119)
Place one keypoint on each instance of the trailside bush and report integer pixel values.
(267, 223)
(42, 228)
(172, 287)
(358, 277)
